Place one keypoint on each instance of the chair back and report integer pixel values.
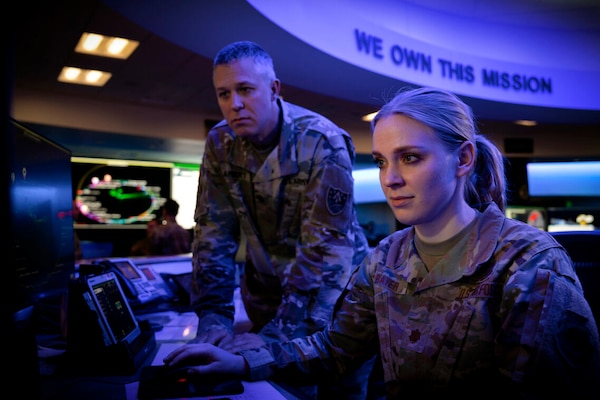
(584, 249)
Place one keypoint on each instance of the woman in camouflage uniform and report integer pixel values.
(463, 299)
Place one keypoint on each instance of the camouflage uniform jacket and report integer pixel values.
(504, 307)
(297, 212)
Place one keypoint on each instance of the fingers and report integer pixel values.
(218, 336)
(190, 355)
(204, 358)
(213, 336)
(170, 359)
(243, 341)
(198, 339)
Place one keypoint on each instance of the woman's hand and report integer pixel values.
(243, 341)
(204, 358)
(216, 335)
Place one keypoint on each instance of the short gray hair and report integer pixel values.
(246, 49)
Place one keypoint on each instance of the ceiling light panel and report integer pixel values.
(106, 46)
(81, 76)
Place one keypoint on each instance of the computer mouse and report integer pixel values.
(162, 382)
(173, 374)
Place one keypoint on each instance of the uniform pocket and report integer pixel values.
(420, 340)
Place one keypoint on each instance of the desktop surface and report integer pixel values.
(99, 376)
(65, 381)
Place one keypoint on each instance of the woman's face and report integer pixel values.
(417, 173)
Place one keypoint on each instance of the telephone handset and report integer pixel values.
(141, 286)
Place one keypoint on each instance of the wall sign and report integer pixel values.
(414, 44)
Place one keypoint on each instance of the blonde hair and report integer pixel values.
(454, 123)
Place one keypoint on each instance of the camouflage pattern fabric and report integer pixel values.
(506, 309)
(300, 202)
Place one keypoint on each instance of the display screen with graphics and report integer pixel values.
(115, 314)
(119, 194)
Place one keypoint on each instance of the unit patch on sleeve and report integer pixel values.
(336, 200)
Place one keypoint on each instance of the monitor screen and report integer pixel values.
(574, 218)
(184, 188)
(119, 192)
(127, 269)
(117, 319)
(564, 179)
(534, 216)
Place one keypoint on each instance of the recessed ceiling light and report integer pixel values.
(525, 122)
(89, 77)
(106, 46)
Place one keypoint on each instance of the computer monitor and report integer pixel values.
(534, 216)
(568, 179)
(41, 255)
(119, 192)
(41, 218)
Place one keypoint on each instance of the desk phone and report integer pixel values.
(141, 285)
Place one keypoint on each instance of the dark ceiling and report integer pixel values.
(163, 74)
(159, 73)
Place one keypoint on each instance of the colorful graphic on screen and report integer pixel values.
(120, 196)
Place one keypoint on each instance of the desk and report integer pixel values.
(175, 329)
(171, 327)
(252, 390)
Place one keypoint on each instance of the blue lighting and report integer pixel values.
(564, 179)
(367, 188)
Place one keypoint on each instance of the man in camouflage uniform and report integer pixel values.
(279, 176)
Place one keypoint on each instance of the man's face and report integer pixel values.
(247, 98)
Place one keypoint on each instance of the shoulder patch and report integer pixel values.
(336, 200)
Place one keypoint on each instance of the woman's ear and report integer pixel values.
(466, 158)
